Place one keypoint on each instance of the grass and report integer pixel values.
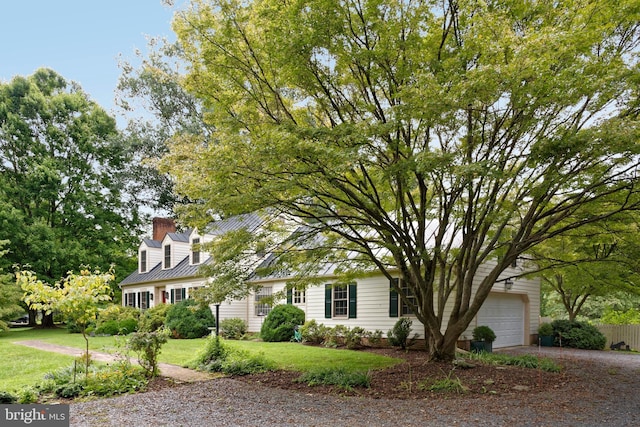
(24, 366)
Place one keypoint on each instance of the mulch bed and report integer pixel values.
(412, 378)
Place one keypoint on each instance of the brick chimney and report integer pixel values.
(162, 226)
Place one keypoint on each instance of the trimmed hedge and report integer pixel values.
(577, 334)
(279, 324)
(189, 319)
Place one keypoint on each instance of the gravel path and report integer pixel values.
(607, 393)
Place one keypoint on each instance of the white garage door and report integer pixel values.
(504, 313)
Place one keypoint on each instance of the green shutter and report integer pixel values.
(148, 298)
(327, 301)
(184, 293)
(173, 292)
(352, 301)
(289, 296)
(393, 303)
(139, 300)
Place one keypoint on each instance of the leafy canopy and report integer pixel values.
(441, 133)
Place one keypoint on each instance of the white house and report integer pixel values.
(168, 271)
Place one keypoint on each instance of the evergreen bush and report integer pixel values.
(189, 319)
(577, 334)
(399, 336)
(280, 323)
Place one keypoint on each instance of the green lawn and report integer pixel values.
(23, 366)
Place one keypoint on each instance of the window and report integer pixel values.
(143, 300)
(130, 299)
(195, 251)
(299, 296)
(178, 294)
(340, 301)
(262, 308)
(396, 304)
(167, 256)
(143, 261)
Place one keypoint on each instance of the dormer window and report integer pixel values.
(167, 256)
(143, 261)
(195, 251)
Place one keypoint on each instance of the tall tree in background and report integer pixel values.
(10, 295)
(445, 133)
(599, 260)
(62, 165)
(164, 110)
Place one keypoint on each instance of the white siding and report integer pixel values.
(154, 256)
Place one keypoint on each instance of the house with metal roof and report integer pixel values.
(168, 271)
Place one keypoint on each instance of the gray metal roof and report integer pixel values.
(183, 269)
(157, 273)
(152, 243)
(250, 222)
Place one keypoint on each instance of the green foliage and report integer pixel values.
(545, 329)
(148, 346)
(233, 328)
(400, 335)
(483, 333)
(7, 398)
(153, 318)
(280, 323)
(64, 181)
(523, 361)
(103, 381)
(28, 395)
(527, 112)
(627, 317)
(189, 319)
(449, 384)
(336, 376)
(10, 294)
(218, 357)
(312, 332)
(578, 335)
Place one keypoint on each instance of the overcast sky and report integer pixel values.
(79, 39)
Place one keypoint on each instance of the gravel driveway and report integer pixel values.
(606, 392)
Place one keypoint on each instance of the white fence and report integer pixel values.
(630, 334)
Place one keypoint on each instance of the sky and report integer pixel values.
(79, 39)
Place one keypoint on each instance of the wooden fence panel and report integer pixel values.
(630, 334)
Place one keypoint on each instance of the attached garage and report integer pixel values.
(505, 314)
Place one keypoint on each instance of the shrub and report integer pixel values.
(545, 329)
(217, 357)
(28, 395)
(153, 318)
(353, 337)
(483, 333)
(189, 319)
(334, 337)
(117, 320)
(6, 397)
(233, 328)
(279, 324)
(110, 327)
(148, 346)
(578, 335)
(313, 332)
(399, 335)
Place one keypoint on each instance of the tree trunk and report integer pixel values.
(47, 321)
(440, 348)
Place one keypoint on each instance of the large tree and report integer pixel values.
(159, 109)
(442, 133)
(598, 260)
(10, 295)
(63, 180)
